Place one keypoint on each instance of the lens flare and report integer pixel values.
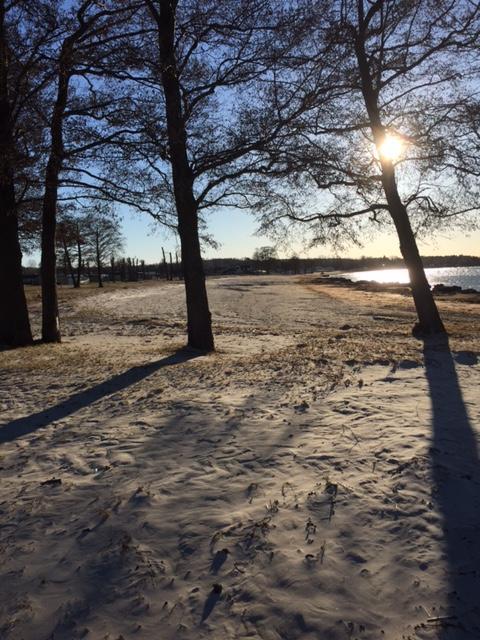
(391, 148)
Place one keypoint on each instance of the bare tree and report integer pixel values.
(103, 237)
(199, 319)
(200, 121)
(88, 235)
(265, 257)
(70, 240)
(24, 34)
(394, 80)
(89, 34)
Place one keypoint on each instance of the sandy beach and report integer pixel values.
(317, 477)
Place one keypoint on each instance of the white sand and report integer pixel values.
(327, 501)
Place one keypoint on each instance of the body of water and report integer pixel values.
(465, 277)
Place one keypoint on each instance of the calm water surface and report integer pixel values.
(465, 277)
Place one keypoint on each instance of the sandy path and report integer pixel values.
(269, 302)
(324, 500)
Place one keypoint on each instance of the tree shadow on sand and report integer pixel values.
(456, 478)
(28, 424)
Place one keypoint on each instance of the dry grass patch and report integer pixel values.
(389, 336)
(67, 293)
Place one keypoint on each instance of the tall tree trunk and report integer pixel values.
(99, 261)
(429, 321)
(48, 267)
(199, 321)
(14, 322)
(50, 317)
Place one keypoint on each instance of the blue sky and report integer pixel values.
(235, 231)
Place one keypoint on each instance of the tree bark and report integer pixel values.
(48, 269)
(429, 321)
(48, 275)
(50, 317)
(199, 321)
(14, 321)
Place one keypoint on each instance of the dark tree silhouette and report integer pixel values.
(190, 153)
(103, 237)
(200, 333)
(265, 258)
(22, 79)
(90, 31)
(384, 73)
(70, 240)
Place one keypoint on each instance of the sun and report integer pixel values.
(391, 148)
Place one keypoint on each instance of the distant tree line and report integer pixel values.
(296, 265)
(126, 269)
(325, 119)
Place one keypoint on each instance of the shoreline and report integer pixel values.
(442, 291)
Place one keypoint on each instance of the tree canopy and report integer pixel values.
(325, 119)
